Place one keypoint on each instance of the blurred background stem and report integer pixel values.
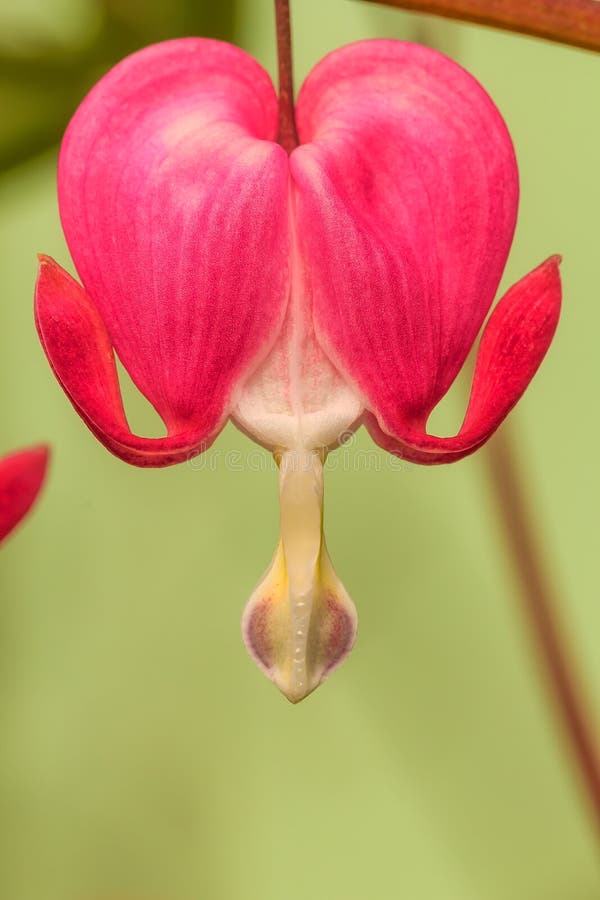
(541, 607)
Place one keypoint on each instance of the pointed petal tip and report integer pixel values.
(33, 459)
(533, 304)
(296, 697)
(550, 266)
(48, 268)
(39, 457)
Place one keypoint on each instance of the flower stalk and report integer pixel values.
(287, 137)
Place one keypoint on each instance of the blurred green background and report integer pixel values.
(143, 756)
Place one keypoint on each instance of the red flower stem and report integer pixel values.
(540, 604)
(288, 136)
(575, 22)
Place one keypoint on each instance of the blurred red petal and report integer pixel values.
(21, 477)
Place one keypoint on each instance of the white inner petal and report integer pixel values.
(297, 399)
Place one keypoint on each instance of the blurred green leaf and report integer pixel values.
(41, 87)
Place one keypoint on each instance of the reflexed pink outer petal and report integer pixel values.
(514, 342)
(79, 350)
(173, 199)
(21, 477)
(406, 203)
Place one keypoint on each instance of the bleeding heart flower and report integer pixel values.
(21, 477)
(297, 295)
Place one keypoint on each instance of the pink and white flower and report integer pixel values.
(298, 295)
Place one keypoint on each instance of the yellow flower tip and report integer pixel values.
(299, 641)
(300, 623)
